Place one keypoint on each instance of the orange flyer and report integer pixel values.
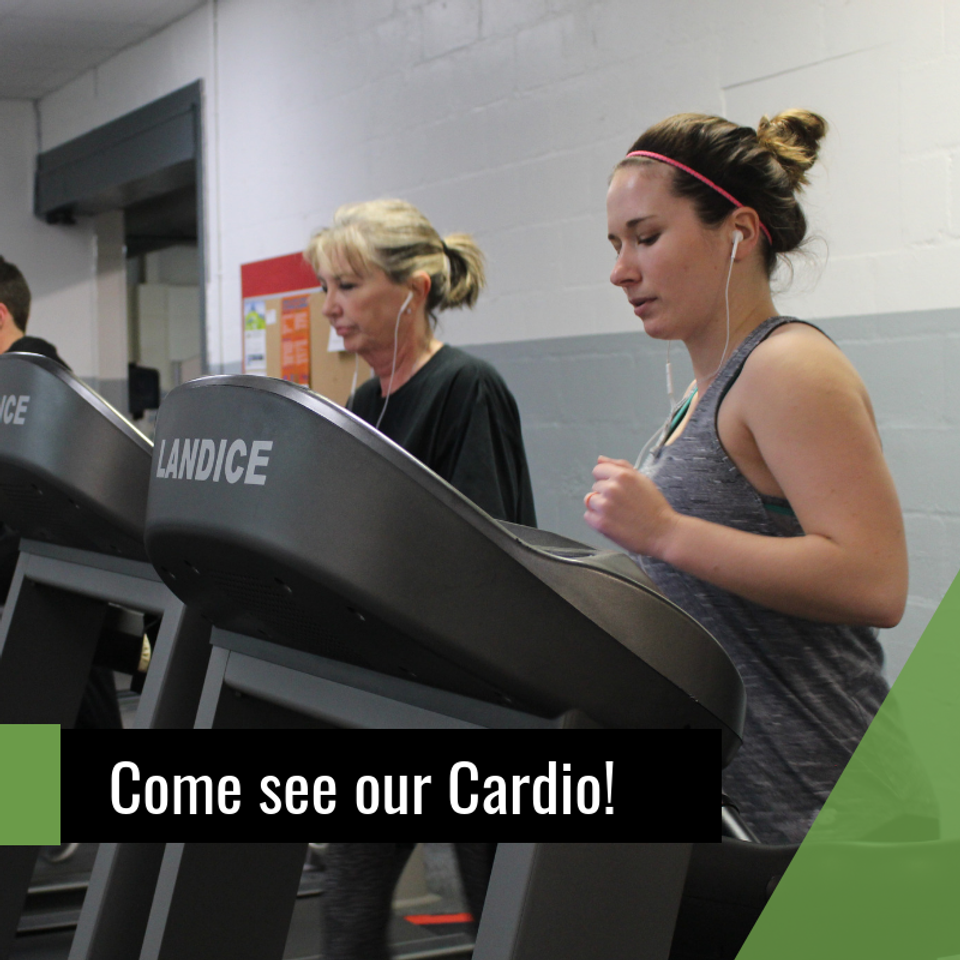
(295, 339)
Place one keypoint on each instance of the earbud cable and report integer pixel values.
(662, 433)
(726, 301)
(393, 370)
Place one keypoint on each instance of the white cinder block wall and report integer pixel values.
(60, 262)
(504, 117)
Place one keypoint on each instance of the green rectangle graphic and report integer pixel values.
(29, 783)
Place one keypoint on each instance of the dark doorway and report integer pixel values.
(166, 220)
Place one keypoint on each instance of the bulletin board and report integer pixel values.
(285, 334)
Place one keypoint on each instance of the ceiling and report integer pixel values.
(45, 44)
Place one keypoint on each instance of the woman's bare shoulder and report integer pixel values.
(795, 379)
(797, 357)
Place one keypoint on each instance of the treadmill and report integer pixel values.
(349, 586)
(73, 483)
(328, 559)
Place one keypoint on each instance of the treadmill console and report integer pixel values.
(73, 470)
(280, 515)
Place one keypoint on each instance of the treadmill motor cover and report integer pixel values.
(278, 514)
(73, 471)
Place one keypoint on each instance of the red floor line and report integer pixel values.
(426, 919)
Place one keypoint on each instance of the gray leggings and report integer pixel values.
(359, 888)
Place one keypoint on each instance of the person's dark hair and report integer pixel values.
(14, 294)
(763, 168)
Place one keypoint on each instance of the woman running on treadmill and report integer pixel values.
(764, 507)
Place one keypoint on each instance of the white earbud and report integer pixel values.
(407, 301)
(737, 237)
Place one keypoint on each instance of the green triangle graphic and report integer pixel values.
(843, 897)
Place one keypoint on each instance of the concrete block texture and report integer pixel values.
(586, 395)
(926, 187)
(952, 26)
(449, 25)
(440, 98)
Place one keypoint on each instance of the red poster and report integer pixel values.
(295, 340)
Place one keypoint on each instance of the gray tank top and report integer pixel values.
(812, 688)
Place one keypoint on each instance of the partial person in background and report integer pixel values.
(14, 314)
(99, 708)
(387, 273)
(765, 508)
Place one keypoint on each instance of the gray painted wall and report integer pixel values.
(580, 396)
(116, 392)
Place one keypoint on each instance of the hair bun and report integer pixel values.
(793, 137)
(467, 274)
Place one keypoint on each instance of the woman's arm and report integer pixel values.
(808, 414)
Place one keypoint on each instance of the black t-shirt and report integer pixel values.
(36, 345)
(457, 416)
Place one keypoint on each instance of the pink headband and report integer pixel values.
(700, 177)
